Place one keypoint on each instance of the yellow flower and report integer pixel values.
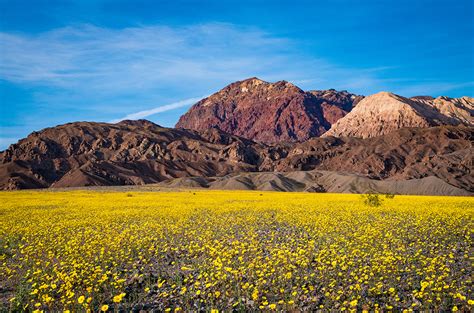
(217, 294)
(104, 308)
(255, 294)
(80, 300)
(118, 298)
(185, 268)
(214, 311)
(353, 302)
(272, 306)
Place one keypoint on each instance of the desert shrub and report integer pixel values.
(372, 199)
(389, 195)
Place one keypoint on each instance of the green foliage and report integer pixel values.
(389, 195)
(372, 200)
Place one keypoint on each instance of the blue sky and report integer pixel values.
(64, 61)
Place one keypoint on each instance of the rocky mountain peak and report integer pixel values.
(268, 112)
(383, 96)
(139, 122)
(253, 81)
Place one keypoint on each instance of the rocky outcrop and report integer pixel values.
(335, 104)
(269, 112)
(386, 112)
(457, 109)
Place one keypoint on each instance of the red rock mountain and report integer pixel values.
(269, 112)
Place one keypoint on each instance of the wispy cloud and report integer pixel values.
(94, 63)
(160, 109)
(113, 60)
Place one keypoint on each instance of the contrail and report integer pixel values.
(163, 108)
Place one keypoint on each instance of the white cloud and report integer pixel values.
(95, 59)
(160, 109)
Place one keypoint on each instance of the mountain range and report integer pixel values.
(277, 112)
(258, 135)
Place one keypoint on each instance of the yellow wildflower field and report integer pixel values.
(233, 251)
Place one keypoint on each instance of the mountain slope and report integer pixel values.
(386, 112)
(130, 152)
(444, 152)
(268, 112)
